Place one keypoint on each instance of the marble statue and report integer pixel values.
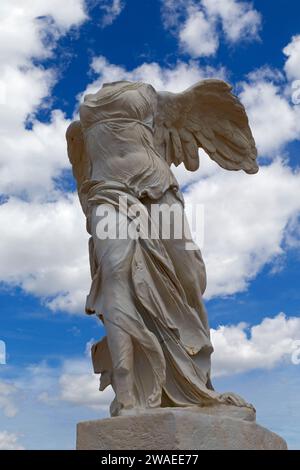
(148, 291)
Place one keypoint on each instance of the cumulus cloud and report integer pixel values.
(35, 233)
(292, 52)
(31, 158)
(240, 348)
(31, 166)
(236, 258)
(44, 246)
(31, 32)
(79, 385)
(27, 34)
(240, 21)
(198, 35)
(7, 399)
(9, 441)
(2, 352)
(254, 213)
(111, 10)
(199, 24)
(33, 258)
(275, 121)
(44, 249)
(175, 79)
(272, 100)
(73, 382)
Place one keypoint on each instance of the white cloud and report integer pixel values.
(26, 31)
(197, 23)
(112, 9)
(44, 244)
(29, 159)
(174, 79)
(35, 236)
(7, 399)
(240, 21)
(58, 417)
(44, 249)
(9, 441)
(292, 65)
(2, 352)
(239, 348)
(73, 382)
(273, 103)
(80, 386)
(53, 407)
(198, 35)
(42, 267)
(274, 120)
(32, 257)
(254, 213)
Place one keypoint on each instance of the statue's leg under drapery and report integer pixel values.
(149, 294)
(127, 335)
(114, 256)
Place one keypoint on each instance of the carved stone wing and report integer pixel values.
(207, 116)
(76, 152)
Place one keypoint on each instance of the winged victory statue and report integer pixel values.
(148, 291)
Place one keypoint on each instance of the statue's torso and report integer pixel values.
(118, 128)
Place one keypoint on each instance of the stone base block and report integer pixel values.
(218, 427)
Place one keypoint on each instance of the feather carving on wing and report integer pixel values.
(207, 116)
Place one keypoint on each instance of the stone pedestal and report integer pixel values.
(218, 427)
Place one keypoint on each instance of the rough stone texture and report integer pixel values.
(179, 429)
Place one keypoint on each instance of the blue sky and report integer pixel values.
(52, 52)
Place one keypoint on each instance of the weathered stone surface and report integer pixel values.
(178, 428)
